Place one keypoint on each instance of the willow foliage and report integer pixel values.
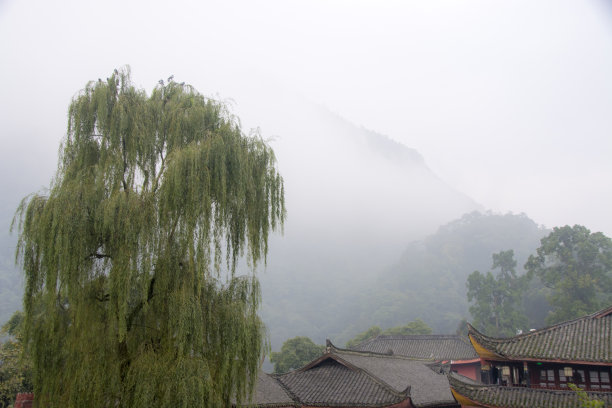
(127, 303)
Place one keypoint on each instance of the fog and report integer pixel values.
(388, 118)
(507, 101)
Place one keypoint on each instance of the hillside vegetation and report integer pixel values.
(429, 280)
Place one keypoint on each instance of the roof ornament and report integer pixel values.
(328, 346)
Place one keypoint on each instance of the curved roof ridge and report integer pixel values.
(587, 339)
(603, 312)
(363, 343)
(332, 348)
(415, 336)
(373, 354)
(408, 337)
(518, 397)
(319, 360)
(428, 346)
(598, 314)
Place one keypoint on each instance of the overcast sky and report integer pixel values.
(508, 101)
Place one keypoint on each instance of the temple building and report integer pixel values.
(446, 349)
(347, 378)
(538, 366)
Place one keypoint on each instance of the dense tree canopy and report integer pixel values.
(577, 266)
(363, 336)
(497, 299)
(295, 353)
(415, 327)
(131, 298)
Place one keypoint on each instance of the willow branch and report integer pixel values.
(98, 255)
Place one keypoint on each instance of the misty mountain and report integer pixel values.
(355, 201)
(349, 186)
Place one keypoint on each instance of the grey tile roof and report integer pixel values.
(348, 378)
(427, 386)
(353, 378)
(435, 346)
(331, 383)
(520, 397)
(270, 393)
(586, 339)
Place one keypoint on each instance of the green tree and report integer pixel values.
(576, 265)
(15, 367)
(415, 327)
(462, 328)
(497, 299)
(585, 400)
(131, 296)
(363, 336)
(295, 353)
(14, 326)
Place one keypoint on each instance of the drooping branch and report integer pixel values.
(125, 165)
(140, 305)
(162, 166)
(98, 255)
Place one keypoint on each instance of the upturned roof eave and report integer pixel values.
(465, 401)
(514, 348)
(482, 345)
(467, 394)
(596, 315)
(549, 360)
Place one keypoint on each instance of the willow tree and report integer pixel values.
(132, 299)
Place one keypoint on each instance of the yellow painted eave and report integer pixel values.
(464, 401)
(483, 352)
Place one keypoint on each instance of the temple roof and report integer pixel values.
(270, 393)
(426, 382)
(470, 393)
(586, 339)
(332, 383)
(342, 378)
(435, 346)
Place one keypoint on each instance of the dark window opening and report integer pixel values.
(591, 379)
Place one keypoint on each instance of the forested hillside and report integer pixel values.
(429, 280)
